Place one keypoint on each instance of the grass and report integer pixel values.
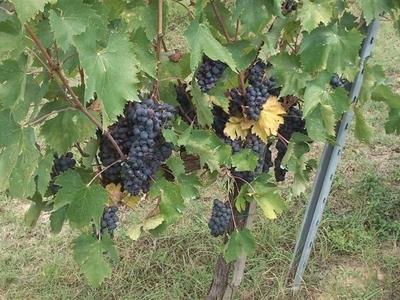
(356, 253)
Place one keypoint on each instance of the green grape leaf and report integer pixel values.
(243, 53)
(19, 158)
(67, 128)
(209, 147)
(85, 202)
(240, 242)
(148, 61)
(202, 104)
(57, 219)
(34, 210)
(88, 253)
(111, 71)
(373, 8)
(170, 136)
(295, 161)
(26, 10)
(245, 160)
(385, 94)
(320, 123)
(392, 124)
(175, 163)
(313, 13)
(18, 90)
(363, 131)
(331, 47)
(70, 19)
(171, 204)
(11, 35)
(114, 7)
(201, 41)
(372, 76)
(316, 92)
(43, 173)
(267, 197)
(252, 13)
(190, 185)
(287, 68)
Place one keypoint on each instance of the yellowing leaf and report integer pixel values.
(233, 128)
(131, 201)
(153, 222)
(135, 231)
(114, 193)
(269, 121)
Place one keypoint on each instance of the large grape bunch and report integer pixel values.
(60, 164)
(138, 134)
(149, 148)
(108, 221)
(220, 218)
(293, 122)
(209, 72)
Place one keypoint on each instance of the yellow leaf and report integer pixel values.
(114, 193)
(153, 222)
(269, 121)
(131, 201)
(233, 128)
(135, 231)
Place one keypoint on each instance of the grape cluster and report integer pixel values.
(220, 218)
(262, 150)
(60, 164)
(293, 122)
(336, 81)
(185, 108)
(108, 221)
(138, 133)
(149, 148)
(255, 99)
(209, 72)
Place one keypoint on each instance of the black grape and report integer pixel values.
(108, 221)
(336, 81)
(60, 164)
(289, 6)
(209, 72)
(220, 218)
(185, 109)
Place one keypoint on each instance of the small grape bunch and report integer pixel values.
(220, 218)
(60, 164)
(108, 222)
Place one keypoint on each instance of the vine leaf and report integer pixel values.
(288, 70)
(57, 219)
(18, 159)
(76, 127)
(373, 8)
(11, 35)
(70, 19)
(189, 184)
(85, 202)
(331, 47)
(208, 146)
(111, 71)
(392, 125)
(202, 104)
(295, 161)
(363, 131)
(245, 160)
(267, 197)
(201, 41)
(269, 121)
(34, 210)
(320, 122)
(175, 163)
(18, 90)
(252, 14)
(234, 130)
(313, 13)
(151, 223)
(26, 10)
(43, 173)
(239, 242)
(88, 252)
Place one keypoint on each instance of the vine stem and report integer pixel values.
(101, 172)
(221, 22)
(56, 68)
